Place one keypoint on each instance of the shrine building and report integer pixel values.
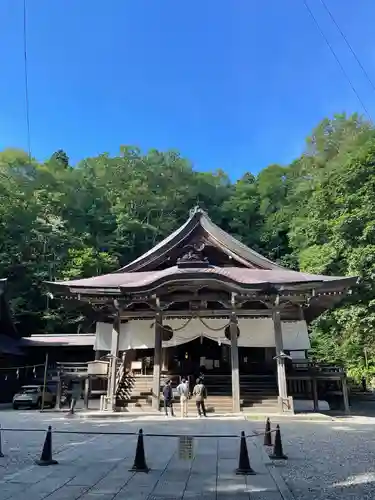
(202, 300)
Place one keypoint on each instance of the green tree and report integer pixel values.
(60, 159)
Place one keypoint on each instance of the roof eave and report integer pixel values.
(61, 289)
(237, 248)
(195, 276)
(319, 305)
(213, 278)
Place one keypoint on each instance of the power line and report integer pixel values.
(329, 12)
(338, 61)
(26, 78)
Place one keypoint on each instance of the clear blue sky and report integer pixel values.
(233, 84)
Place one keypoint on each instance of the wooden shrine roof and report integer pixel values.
(239, 278)
(199, 226)
(200, 254)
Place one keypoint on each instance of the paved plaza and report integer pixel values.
(327, 460)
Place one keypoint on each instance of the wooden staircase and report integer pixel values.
(135, 392)
(258, 393)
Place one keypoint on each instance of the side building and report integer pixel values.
(11, 353)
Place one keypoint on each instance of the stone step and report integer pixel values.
(227, 384)
(211, 409)
(213, 401)
(250, 404)
(207, 381)
(211, 391)
(220, 395)
(257, 394)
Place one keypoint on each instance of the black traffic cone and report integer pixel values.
(244, 467)
(267, 434)
(1, 453)
(278, 453)
(46, 457)
(140, 459)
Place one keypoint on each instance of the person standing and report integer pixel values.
(183, 392)
(168, 398)
(76, 393)
(200, 393)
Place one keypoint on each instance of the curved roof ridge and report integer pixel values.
(170, 241)
(238, 247)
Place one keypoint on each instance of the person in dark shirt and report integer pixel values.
(168, 398)
(200, 393)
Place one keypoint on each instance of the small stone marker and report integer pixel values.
(186, 448)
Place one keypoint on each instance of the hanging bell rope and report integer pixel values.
(181, 327)
(211, 328)
(169, 328)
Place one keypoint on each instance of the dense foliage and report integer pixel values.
(316, 214)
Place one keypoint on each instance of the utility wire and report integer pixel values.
(338, 61)
(329, 12)
(26, 78)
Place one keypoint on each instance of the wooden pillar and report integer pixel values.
(157, 363)
(58, 393)
(314, 385)
(130, 356)
(113, 363)
(281, 374)
(165, 359)
(345, 395)
(86, 393)
(233, 326)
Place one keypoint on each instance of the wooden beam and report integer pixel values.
(216, 313)
(103, 300)
(196, 295)
(193, 283)
(203, 314)
(317, 375)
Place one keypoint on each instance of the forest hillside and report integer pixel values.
(316, 214)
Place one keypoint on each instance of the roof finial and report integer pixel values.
(196, 210)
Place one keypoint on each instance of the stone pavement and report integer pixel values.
(327, 460)
(93, 467)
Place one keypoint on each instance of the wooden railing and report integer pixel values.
(119, 375)
(324, 382)
(303, 365)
